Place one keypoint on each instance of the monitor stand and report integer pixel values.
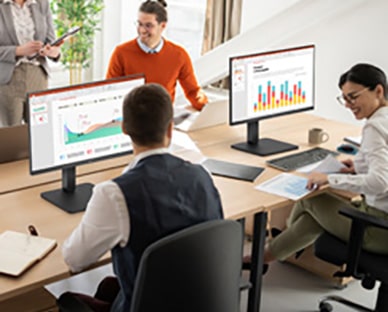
(262, 147)
(70, 198)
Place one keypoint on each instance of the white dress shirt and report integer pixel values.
(371, 164)
(104, 224)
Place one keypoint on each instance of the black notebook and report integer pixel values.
(232, 170)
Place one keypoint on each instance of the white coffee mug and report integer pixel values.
(317, 136)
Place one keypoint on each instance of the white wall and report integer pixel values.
(255, 12)
(356, 35)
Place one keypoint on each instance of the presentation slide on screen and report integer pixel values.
(78, 126)
(273, 83)
(90, 126)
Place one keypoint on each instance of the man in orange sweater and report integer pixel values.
(160, 60)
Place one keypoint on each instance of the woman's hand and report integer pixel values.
(29, 48)
(50, 51)
(315, 180)
(349, 166)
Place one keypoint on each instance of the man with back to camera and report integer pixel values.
(159, 59)
(157, 194)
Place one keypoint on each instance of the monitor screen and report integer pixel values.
(269, 84)
(78, 124)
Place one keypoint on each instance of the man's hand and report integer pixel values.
(201, 98)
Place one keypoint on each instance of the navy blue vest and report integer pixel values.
(163, 194)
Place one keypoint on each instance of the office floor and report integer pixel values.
(286, 288)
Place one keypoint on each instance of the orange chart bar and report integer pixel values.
(269, 98)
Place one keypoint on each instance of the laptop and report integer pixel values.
(213, 113)
(14, 142)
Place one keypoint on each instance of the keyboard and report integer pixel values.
(298, 160)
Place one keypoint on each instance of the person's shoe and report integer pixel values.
(275, 232)
(247, 264)
(299, 253)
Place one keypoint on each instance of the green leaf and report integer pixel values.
(70, 13)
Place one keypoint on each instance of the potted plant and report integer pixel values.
(76, 51)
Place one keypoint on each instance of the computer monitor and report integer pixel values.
(266, 85)
(74, 125)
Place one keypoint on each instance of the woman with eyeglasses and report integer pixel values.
(161, 60)
(364, 92)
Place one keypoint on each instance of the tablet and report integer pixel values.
(72, 31)
(232, 170)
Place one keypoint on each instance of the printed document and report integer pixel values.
(286, 185)
(329, 165)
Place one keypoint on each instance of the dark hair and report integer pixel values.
(367, 75)
(157, 7)
(147, 113)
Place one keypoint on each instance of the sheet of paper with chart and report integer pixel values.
(285, 185)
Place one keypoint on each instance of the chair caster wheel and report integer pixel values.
(325, 307)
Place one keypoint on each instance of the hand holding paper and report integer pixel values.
(329, 165)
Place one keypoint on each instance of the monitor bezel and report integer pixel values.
(75, 87)
(254, 119)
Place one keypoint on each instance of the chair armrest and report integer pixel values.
(363, 217)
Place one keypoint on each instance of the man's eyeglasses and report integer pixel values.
(350, 97)
(147, 26)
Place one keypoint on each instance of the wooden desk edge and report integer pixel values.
(20, 291)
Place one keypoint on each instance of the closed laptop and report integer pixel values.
(14, 143)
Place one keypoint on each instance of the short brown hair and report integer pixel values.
(155, 7)
(147, 113)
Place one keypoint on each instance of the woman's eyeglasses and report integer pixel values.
(350, 97)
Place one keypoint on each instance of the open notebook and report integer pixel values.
(19, 251)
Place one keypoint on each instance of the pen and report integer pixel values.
(32, 230)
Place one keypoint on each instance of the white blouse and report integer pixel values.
(371, 164)
(24, 25)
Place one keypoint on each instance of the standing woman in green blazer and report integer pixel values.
(25, 29)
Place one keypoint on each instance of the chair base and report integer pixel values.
(325, 306)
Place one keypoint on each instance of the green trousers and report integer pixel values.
(25, 78)
(310, 217)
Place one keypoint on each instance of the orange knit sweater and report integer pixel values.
(170, 65)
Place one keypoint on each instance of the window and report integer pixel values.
(186, 20)
(185, 27)
(186, 24)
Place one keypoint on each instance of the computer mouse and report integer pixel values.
(347, 149)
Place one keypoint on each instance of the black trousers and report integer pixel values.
(104, 297)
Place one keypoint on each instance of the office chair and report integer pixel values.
(195, 269)
(360, 264)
